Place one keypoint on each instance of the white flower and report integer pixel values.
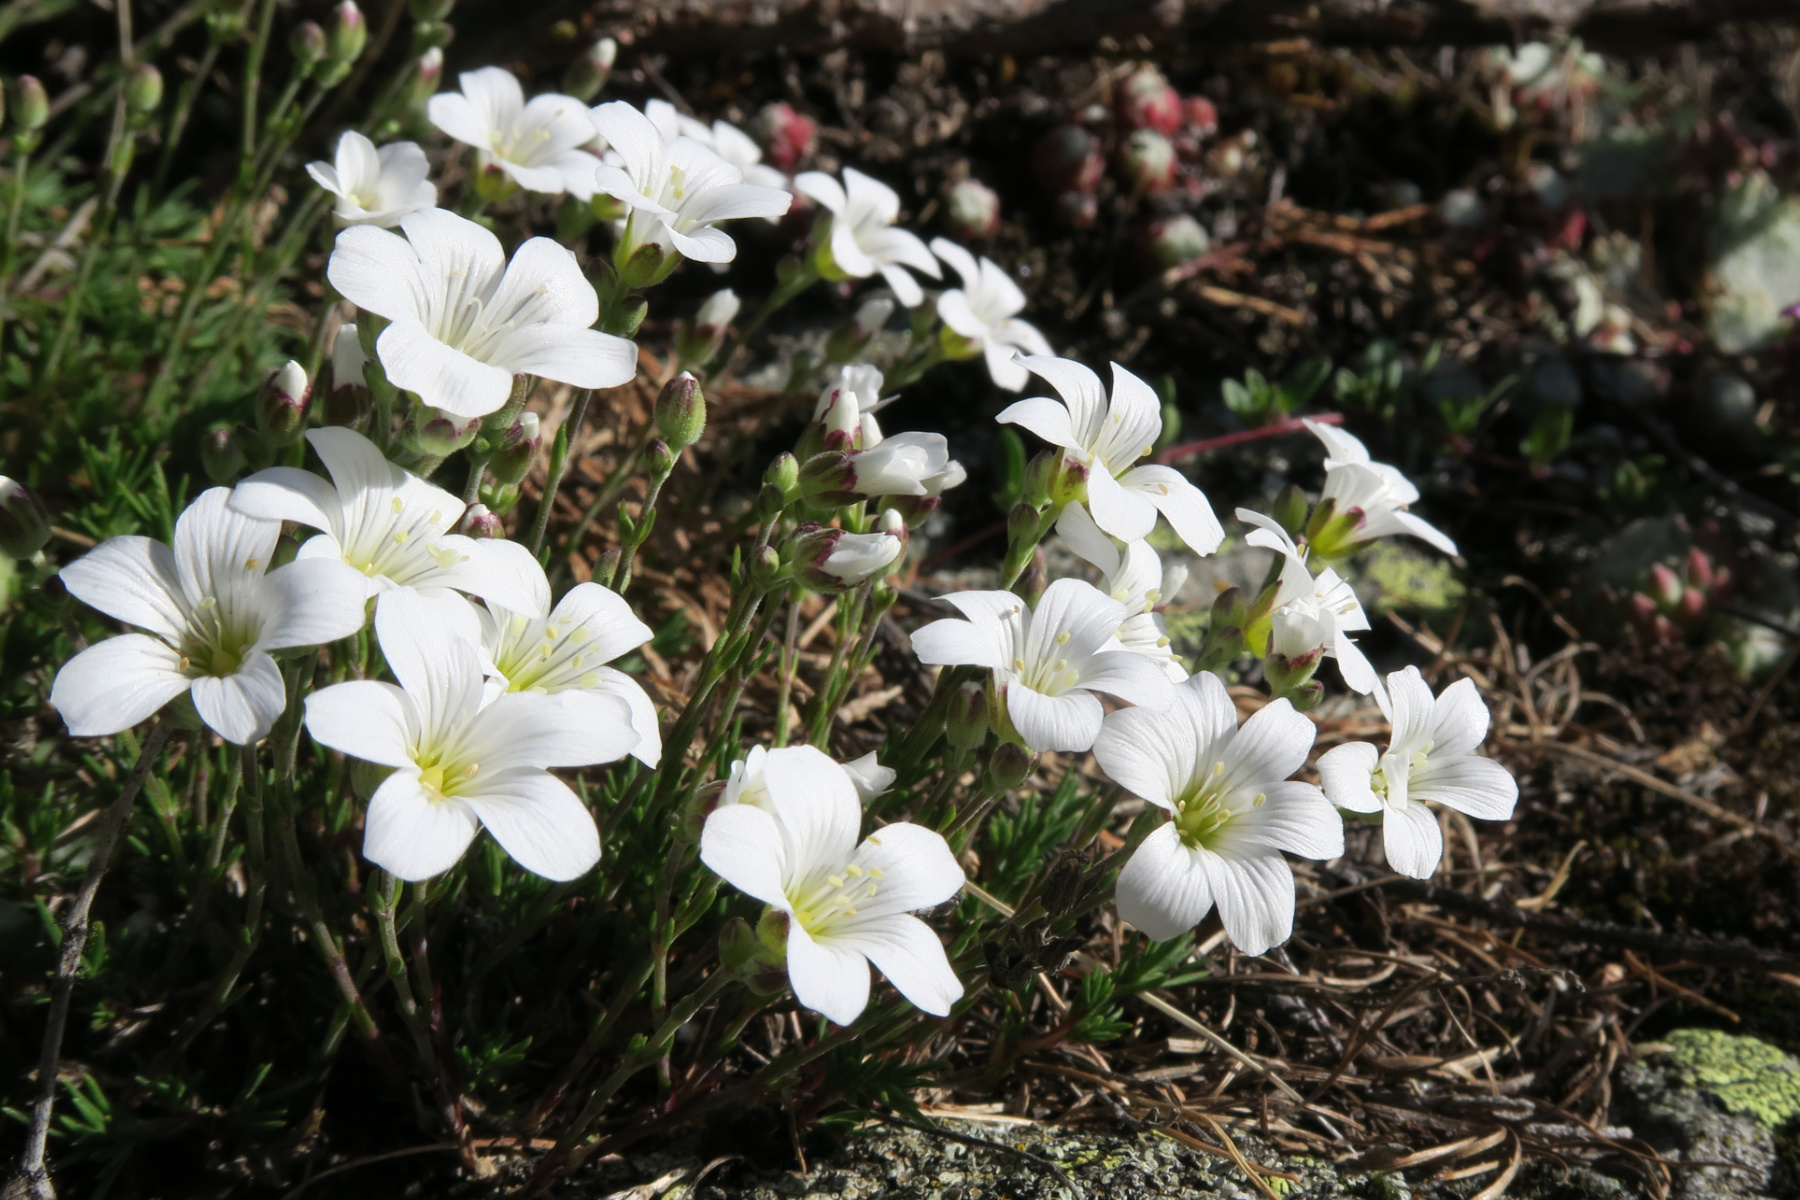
(721, 137)
(1313, 613)
(1047, 662)
(862, 239)
(1135, 578)
(850, 402)
(677, 190)
(847, 904)
(1375, 491)
(1430, 757)
(216, 612)
(984, 312)
(1234, 808)
(347, 358)
(719, 311)
(393, 527)
(851, 559)
(1105, 439)
(869, 776)
(538, 144)
(790, 769)
(375, 187)
(566, 654)
(460, 765)
(465, 321)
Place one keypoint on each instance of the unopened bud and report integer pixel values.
(24, 521)
(427, 75)
(1010, 766)
(786, 136)
(282, 406)
(433, 433)
(1067, 159)
(478, 522)
(307, 45)
(1290, 510)
(966, 725)
(828, 478)
(144, 90)
(1077, 210)
(31, 107)
(659, 458)
(220, 454)
(1022, 523)
(1665, 586)
(518, 449)
(1699, 569)
(1201, 115)
(783, 474)
(972, 209)
(1175, 241)
(765, 567)
(1146, 101)
(739, 947)
(681, 411)
(588, 74)
(349, 33)
(830, 560)
(1147, 160)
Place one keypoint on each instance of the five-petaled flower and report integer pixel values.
(1430, 757)
(1368, 499)
(565, 654)
(375, 187)
(461, 764)
(1047, 662)
(845, 905)
(464, 321)
(393, 527)
(1104, 438)
(1233, 809)
(983, 314)
(862, 239)
(678, 191)
(216, 612)
(1309, 613)
(537, 144)
(1136, 578)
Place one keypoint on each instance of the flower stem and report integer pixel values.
(74, 928)
(559, 466)
(790, 657)
(387, 895)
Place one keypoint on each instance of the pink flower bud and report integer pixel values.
(478, 522)
(1699, 569)
(1146, 101)
(1077, 210)
(1200, 115)
(786, 136)
(1147, 160)
(1068, 159)
(973, 210)
(282, 407)
(1174, 241)
(1665, 587)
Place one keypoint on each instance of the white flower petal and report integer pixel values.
(1182, 504)
(242, 707)
(1042, 416)
(1412, 840)
(112, 685)
(133, 579)
(1163, 890)
(814, 799)
(412, 835)
(1127, 515)
(827, 978)
(1477, 786)
(568, 729)
(1255, 895)
(952, 642)
(742, 844)
(290, 494)
(442, 377)
(584, 358)
(1068, 722)
(310, 602)
(366, 719)
(1344, 775)
(917, 869)
(1459, 719)
(537, 820)
(496, 569)
(905, 950)
(439, 670)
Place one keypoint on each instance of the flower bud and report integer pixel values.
(848, 339)
(348, 400)
(349, 33)
(1067, 159)
(1146, 101)
(220, 454)
(659, 458)
(1200, 115)
(431, 10)
(1174, 241)
(1147, 160)
(966, 725)
(24, 521)
(786, 136)
(588, 74)
(1290, 510)
(426, 76)
(144, 90)
(282, 406)
(718, 312)
(31, 107)
(842, 421)
(478, 522)
(518, 449)
(1010, 766)
(681, 411)
(830, 560)
(1077, 210)
(1699, 569)
(1692, 609)
(1665, 587)
(783, 474)
(307, 45)
(765, 567)
(433, 433)
(973, 210)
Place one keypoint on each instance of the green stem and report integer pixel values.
(256, 883)
(184, 108)
(559, 466)
(609, 492)
(596, 1039)
(779, 298)
(790, 659)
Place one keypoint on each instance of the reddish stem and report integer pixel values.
(1279, 429)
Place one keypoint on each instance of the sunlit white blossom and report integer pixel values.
(1376, 493)
(1136, 578)
(984, 312)
(863, 238)
(1104, 438)
(537, 144)
(1234, 810)
(567, 653)
(1047, 662)
(375, 187)
(1431, 757)
(846, 905)
(393, 527)
(1313, 613)
(213, 612)
(721, 137)
(460, 764)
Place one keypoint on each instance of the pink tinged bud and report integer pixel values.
(1148, 162)
(349, 33)
(282, 407)
(872, 315)
(831, 560)
(24, 521)
(1010, 766)
(518, 448)
(220, 455)
(1721, 582)
(434, 433)
(1068, 159)
(1699, 569)
(429, 73)
(478, 522)
(1200, 114)
(1078, 210)
(973, 210)
(31, 104)
(719, 311)
(1146, 101)
(1176, 241)
(843, 419)
(786, 136)
(588, 74)
(681, 411)
(1665, 587)
(1692, 608)
(307, 45)
(1642, 610)
(1664, 632)
(967, 723)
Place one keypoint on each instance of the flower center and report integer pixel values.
(1204, 809)
(216, 642)
(834, 899)
(439, 778)
(547, 657)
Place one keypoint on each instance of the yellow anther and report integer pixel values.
(874, 841)
(469, 771)
(1161, 642)
(1262, 798)
(250, 564)
(552, 632)
(836, 881)
(401, 537)
(876, 872)
(1062, 639)
(398, 507)
(580, 635)
(849, 912)
(1019, 665)
(854, 871)
(1218, 769)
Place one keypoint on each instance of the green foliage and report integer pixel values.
(1019, 844)
(1259, 401)
(1548, 438)
(1462, 415)
(1381, 382)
